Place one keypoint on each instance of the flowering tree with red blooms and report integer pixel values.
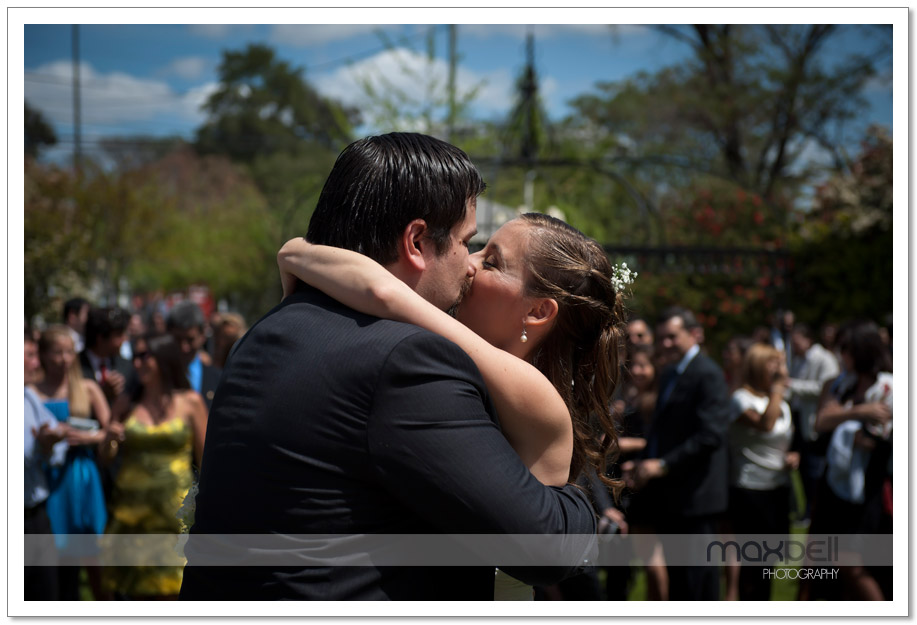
(724, 256)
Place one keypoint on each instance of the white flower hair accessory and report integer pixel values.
(622, 277)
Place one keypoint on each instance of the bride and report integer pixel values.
(542, 321)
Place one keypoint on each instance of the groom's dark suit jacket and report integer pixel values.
(689, 432)
(328, 421)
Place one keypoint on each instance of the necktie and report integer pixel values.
(103, 371)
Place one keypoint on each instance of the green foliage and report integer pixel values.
(730, 293)
(744, 106)
(264, 106)
(712, 212)
(292, 185)
(221, 233)
(266, 116)
(133, 152)
(426, 104)
(180, 221)
(55, 240)
(83, 232)
(38, 133)
(843, 248)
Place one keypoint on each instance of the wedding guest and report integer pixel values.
(638, 332)
(186, 325)
(760, 435)
(76, 313)
(854, 496)
(44, 444)
(639, 399)
(733, 360)
(829, 337)
(76, 504)
(683, 470)
(101, 360)
(135, 329)
(230, 329)
(813, 365)
(157, 440)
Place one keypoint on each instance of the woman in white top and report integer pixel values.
(760, 434)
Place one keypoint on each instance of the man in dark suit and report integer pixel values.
(331, 422)
(186, 325)
(101, 360)
(683, 474)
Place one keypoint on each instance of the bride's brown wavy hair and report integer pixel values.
(581, 354)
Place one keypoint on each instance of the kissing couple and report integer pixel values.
(359, 407)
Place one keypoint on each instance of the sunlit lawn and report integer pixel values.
(781, 589)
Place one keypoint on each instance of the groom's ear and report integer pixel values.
(543, 312)
(412, 242)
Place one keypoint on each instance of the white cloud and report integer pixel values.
(413, 73)
(189, 67)
(315, 34)
(881, 83)
(191, 101)
(110, 99)
(211, 31)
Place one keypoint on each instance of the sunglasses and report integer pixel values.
(143, 355)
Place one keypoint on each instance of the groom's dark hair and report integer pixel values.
(378, 185)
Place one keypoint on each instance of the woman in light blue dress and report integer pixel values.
(76, 504)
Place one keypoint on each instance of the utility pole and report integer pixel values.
(453, 61)
(77, 147)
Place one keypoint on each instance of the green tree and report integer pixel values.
(842, 248)
(38, 132)
(220, 232)
(54, 240)
(427, 101)
(180, 221)
(264, 106)
(132, 152)
(731, 293)
(745, 106)
(82, 232)
(266, 116)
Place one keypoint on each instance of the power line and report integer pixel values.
(92, 84)
(52, 79)
(361, 55)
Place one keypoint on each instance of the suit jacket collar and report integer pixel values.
(672, 377)
(96, 363)
(687, 358)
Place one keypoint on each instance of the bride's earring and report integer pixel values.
(524, 338)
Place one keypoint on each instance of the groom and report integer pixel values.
(331, 422)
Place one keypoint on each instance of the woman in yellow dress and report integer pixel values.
(155, 439)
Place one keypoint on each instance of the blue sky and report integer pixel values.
(152, 78)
